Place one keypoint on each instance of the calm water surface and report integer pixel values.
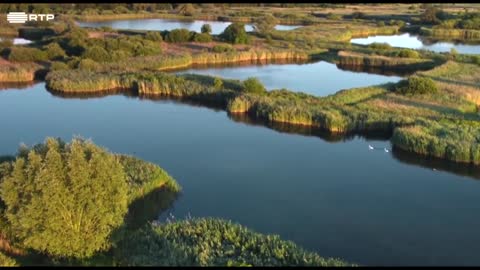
(170, 24)
(337, 198)
(319, 78)
(413, 42)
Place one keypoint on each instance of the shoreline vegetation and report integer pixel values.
(419, 123)
(130, 234)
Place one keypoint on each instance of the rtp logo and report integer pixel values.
(22, 17)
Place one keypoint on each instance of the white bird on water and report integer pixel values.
(370, 147)
(386, 150)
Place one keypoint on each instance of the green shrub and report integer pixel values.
(202, 37)
(88, 64)
(54, 51)
(179, 35)
(332, 16)
(58, 66)
(407, 53)
(253, 85)
(235, 33)
(25, 54)
(379, 46)
(97, 54)
(223, 48)
(416, 85)
(121, 10)
(154, 36)
(212, 242)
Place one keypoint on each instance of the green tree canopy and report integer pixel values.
(235, 33)
(97, 53)
(65, 199)
(206, 28)
(266, 24)
(186, 9)
(253, 85)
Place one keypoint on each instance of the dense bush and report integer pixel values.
(235, 33)
(213, 242)
(202, 37)
(223, 48)
(253, 85)
(379, 46)
(65, 199)
(407, 53)
(97, 53)
(179, 35)
(417, 85)
(54, 51)
(25, 54)
(59, 66)
(88, 64)
(154, 36)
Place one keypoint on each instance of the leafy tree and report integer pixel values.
(265, 25)
(186, 9)
(235, 33)
(65, 199)
(206, 28)
(253, 85)
(430, 15)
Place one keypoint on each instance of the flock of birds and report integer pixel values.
(384, 149)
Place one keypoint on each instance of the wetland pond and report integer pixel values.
(327, 194)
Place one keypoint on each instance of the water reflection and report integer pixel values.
(415, 42)
(308, 131)
(433, 163)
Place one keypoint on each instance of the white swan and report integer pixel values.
(386, 150)
(370, 147)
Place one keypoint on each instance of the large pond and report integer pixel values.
(414, 42)
(330, 195)
(317, 78)
(170, 24)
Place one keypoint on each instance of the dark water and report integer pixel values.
(170, 24)
(330, 195)
(413, 42)
(318, 78)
